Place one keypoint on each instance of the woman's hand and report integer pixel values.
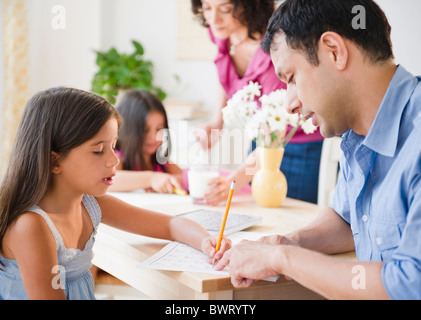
(207, 134)
(209, 246)
(218, 191)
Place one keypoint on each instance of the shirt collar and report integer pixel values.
(384, 132)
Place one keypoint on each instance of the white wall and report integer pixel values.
(405, 18)
(63, 57)
(66, 57)
(153, 24)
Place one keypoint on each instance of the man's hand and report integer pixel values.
(249, 261)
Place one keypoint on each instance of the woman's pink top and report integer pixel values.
(261, 70)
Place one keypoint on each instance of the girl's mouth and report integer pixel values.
(108, 181)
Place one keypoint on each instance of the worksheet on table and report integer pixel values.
(212, 220)
(177, 256)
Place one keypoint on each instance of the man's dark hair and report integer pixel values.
(304, 21)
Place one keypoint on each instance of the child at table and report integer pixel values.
(144, 146)
(52, 199)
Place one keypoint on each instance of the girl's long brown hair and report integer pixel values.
(134, 108)
(58, 120)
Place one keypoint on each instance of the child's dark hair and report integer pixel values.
(134, 107)
(303, 22)
(255, 14)
(58, 120)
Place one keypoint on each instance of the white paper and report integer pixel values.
(177, 256)
(212, 221)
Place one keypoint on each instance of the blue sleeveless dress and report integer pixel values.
(73, 275)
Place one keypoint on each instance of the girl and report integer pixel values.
(237, 27)
(52, 198)
(144, 146)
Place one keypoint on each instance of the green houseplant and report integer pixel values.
(121, 71)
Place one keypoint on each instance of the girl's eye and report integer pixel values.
(98, 153)
(291, 80)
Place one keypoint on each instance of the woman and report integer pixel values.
(237, 27)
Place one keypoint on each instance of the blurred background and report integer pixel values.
(48, 43)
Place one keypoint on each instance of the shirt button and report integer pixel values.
(379, 240)
(364, 218)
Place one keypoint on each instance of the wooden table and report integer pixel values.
(118, 252)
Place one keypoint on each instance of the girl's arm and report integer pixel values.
(121, 215)
(176, 172)
(30, 242)
(129, 180)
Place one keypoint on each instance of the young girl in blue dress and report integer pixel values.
(53, 197)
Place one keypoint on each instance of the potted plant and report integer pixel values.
(120, 71)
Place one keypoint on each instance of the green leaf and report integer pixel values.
(138, 47)
(123, 70)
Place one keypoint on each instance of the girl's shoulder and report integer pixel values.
(29, 230)
(93, 208)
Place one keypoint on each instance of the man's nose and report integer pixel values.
(293, 103)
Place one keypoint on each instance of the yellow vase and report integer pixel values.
(269, 185)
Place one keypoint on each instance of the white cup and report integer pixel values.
(199, 177)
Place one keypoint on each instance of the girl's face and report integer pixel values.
(90, 167)
(153, 133)
(219, 16)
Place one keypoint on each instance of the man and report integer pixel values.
(345, 78)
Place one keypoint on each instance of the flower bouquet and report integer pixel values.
(268, 122)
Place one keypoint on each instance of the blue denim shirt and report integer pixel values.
(379, 188)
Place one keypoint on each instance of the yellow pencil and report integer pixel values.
(180, 192)
(224, 221)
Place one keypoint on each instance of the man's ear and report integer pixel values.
(55, 163)
(335, 47)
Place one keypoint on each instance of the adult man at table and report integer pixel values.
(341, 73)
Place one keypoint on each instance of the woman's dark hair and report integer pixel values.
(254, 14)
(303, 22)
(134, 107)
(58, 120)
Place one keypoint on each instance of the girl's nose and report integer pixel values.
(113, 160)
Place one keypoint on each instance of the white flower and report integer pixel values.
(307, 126)
(243, 109)
(252, 90)
(293, 119)
(275, 99)
(248, 109)
(253, 125)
